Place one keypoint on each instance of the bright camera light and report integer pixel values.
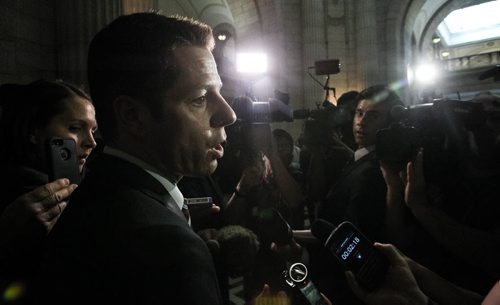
(251, 63)
(426, 73)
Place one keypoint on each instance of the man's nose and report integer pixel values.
(224, 114)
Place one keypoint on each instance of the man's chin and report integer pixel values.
(206, 170)
(212, 167)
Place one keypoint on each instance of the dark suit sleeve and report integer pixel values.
(167, 264)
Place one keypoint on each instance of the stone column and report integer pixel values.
(313, 49)
(77, 21)
(366, 44)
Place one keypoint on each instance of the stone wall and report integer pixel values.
(27, 40)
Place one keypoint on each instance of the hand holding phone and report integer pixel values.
(62, 161)
(399, 285)
(355, 251)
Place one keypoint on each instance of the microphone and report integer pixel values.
(322, 229)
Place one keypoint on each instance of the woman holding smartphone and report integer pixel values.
(30, 204)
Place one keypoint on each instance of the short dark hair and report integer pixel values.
(27, 108)
(381, 94)
(133, 56)
(347, 98)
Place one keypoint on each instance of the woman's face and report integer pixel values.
(77, 122)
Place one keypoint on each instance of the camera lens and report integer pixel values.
(65, 154)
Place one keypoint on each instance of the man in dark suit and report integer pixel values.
(124, 238)
(359, 194)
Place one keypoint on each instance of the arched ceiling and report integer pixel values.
(212, 12)
(432, 14)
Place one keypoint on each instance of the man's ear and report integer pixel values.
(131, 115)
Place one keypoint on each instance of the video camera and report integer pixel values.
(252, 131)
(319, 123)
(439, 127)
(251, 111)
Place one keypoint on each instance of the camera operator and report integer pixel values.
(486, 139)
(265, 196)
(324, 152)
(263, 170)
(454, 210)
(462, 252)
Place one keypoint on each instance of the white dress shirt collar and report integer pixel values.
(363, 151)
(171, 188)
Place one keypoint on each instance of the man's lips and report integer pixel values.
(217, 151)
(360, 133)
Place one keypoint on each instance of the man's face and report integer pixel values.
(370, 116)
(186, 139)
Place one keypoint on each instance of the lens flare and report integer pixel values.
(14, 291)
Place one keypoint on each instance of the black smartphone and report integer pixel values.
(358, 254)
(62, 160)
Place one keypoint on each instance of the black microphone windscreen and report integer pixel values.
(321, 229)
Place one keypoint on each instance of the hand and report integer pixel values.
(265, 297)
(291, 252)
(393, 178)
(42, 206)
(202, 213)
(399, 286)
(415, 182)
(252, 177)
(268, 169)
(493, 296)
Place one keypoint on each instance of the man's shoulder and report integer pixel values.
(119, 196)
(368, 164)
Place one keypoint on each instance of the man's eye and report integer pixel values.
(200, 100)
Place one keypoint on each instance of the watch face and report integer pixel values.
(298, 272)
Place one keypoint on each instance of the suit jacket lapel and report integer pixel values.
(138, 178)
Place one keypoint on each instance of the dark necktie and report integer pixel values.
(185, 211)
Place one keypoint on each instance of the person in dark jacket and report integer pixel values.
(125, 237)
(30, 204)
